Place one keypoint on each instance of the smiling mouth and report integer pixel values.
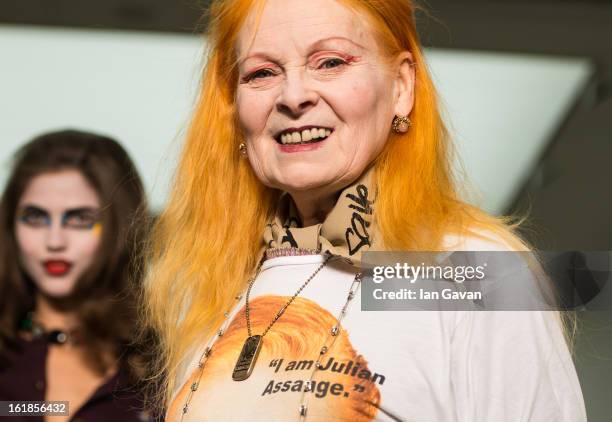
(303, 135)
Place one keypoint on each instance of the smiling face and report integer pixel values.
(315, 98)
(57, 230)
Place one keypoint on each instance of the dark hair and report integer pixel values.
(105, 296)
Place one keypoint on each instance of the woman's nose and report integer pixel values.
(297, 95)
(56, 238)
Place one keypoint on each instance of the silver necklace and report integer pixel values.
(332, 335)
(252, 345)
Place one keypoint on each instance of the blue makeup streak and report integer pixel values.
(24, 218)
(37, 218)
(68, 214)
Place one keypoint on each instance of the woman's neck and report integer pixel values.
(51, 317)
(313, 209)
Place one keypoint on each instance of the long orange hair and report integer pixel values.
(204, 245)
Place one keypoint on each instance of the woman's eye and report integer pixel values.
(260, 74)
(332, 63)
(80, 222)
(34, 218)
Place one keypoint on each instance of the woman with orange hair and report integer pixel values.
(316, 138)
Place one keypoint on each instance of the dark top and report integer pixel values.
(115, 400)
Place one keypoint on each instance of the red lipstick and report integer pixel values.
(57, 268)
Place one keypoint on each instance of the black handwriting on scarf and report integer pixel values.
(288, 237)
(359, 224)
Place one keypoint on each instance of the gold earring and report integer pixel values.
(401, 124)
(243, 149)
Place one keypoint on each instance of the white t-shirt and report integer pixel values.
(415, 366)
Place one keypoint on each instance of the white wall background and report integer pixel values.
(139, 88)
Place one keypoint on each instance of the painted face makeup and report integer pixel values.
(79, 218)
(315, 104)
(57, 230)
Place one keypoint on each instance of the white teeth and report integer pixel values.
(305, 136)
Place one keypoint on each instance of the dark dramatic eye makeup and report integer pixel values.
(80, 218)
(76, 218)
(34, 216)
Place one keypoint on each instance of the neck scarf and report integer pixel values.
(346, 232)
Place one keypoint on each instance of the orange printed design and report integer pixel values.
(275, 387)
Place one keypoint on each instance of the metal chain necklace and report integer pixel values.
(252, 345)
(332, 334)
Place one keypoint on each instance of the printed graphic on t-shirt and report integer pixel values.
(344, 387)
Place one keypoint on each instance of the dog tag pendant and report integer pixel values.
(247, 358)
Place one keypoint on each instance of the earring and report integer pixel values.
(243, 149)
(401, 124)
